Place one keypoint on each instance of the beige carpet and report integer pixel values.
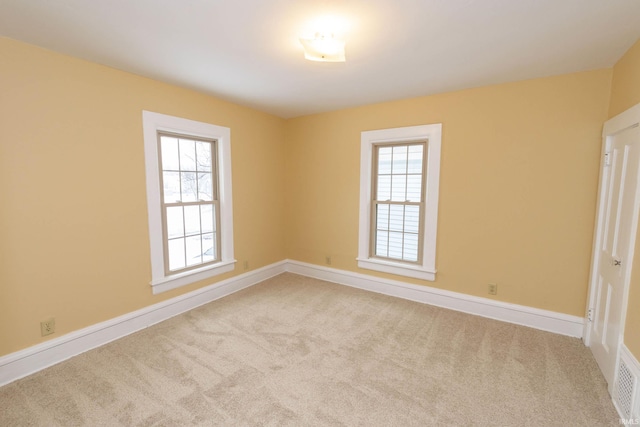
(295, 351)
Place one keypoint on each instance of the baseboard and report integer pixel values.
(25, 362)
(28, 361)
(626, 395)
(545, 320)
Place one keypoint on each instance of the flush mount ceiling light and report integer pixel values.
(324, 47)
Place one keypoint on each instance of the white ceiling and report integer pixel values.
(247, 51)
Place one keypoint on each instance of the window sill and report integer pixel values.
(167, 283)
(417, 272)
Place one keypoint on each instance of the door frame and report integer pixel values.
(623, 121)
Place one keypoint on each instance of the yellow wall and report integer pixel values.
(73, 215)
(625, 86)
(519, 176)
(517, 190)
(625, 93)
(632, 326)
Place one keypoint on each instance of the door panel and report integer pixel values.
(614, 246)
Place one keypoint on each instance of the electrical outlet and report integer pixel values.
(327, 260)
(493, 289)
(47, 327)
(246, 265)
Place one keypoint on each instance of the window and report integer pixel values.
(190, 205)
(398, 195)
(400, 170)
(188, 167)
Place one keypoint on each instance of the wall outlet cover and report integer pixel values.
(47, 327)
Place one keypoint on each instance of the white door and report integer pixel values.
(616, 229)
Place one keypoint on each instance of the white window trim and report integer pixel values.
(426, 268)
(152, 123)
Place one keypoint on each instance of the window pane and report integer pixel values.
(189, 187)
(397, 231)
(187, 155)
(411, 247)
(399, 188)
(176, 254)
(395, 245)
(396, 217)
(412, 219)
(207, 218)
(205, 191)
(203, 152)
(208, 247)
(194, 250)
(192, 220)
(415, 159)
(169, 148)
(384, 160)
(171, 182)
(382, 217)
(384, 187)
(414, 188)
(400, 159)
(175, 224)
(382, 244)
(212, 252)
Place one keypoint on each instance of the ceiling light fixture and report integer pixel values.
(323, 47)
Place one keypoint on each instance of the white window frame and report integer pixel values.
(425, 269)
(152, 124)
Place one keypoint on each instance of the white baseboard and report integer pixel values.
(28, 361)
(545, 320)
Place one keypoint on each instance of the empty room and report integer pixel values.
(331, 212)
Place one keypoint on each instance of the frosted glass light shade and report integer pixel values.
(324, 48)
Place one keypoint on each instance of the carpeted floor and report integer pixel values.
(295, 351)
